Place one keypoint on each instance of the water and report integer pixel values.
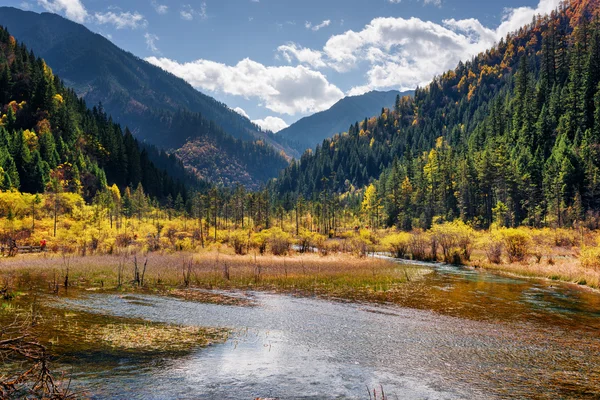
(456, 334)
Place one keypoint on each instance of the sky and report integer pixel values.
(276, 61)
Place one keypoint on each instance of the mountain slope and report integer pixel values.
(49, 140)
(134, 92)
(511, 137)
(312, 130)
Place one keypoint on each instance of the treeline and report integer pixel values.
(511, 137)
(50, 140)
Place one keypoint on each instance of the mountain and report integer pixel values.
(312, 130)
(510, 137)
(138, 94)
(50, 140)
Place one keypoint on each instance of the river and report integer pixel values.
(456, 334)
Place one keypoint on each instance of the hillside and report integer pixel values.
(50, 140)
(510, 137)
(312, 130)
(134, 92)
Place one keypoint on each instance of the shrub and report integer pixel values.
(259, 241)
(279, 241)
(493, 250)
(239, 241)
(455, 239)
(565, 237)
(398, 244)
(275, 239)
(590, 258)
(123, 240)
(516, 244)
(418, 246)
(358, 245)
(307, 240)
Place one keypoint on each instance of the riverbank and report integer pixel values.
(556, 264)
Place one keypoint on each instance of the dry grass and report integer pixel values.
(154, 337)
(566, 268)
(335, 275)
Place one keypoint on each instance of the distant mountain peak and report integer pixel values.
(312, 130)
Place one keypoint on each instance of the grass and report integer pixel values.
(153, 337)
(566, 269)
(171, 273)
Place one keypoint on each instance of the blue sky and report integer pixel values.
(279, 60)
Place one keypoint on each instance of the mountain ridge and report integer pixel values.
(142, 96)
(312, 130)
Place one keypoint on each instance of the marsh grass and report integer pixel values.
(335, 275)
(566, 269)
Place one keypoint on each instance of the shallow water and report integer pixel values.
(457, 333)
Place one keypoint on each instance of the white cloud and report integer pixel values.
(72, 9)
(151, 40)
(160, 8)
(273, 124)
(241, 111)
(405, 53)
(517, 17)
(285, 90)
(188, 13)
(121, 20)
(306, 56)
(309, 25)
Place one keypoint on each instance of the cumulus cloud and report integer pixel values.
(273, 124)
(241, 111)
(306, 56)
(405, 53)
(72, 9)
(285, 90)
(121, 20)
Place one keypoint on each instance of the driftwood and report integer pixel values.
(35, 379)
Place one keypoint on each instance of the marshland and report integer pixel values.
(151, 306)
(442, 242)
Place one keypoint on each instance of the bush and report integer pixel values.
(239, 241)
(398, 244)
(123, 240)
(418, 246)
(590, 258)
(358, 245)
(516, 244)
(307, 240)
(565, 238)
(275, 239)
(279, 241)
(493, 250)
(455, 239)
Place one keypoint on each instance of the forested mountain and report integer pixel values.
(312, 130)
(51, 141)
(511, 137)
(144, 97)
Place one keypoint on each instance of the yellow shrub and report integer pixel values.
(590, 258)
(398, 244)
(238, 239)
(308, 239)
(516, 243)
(455, 239)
